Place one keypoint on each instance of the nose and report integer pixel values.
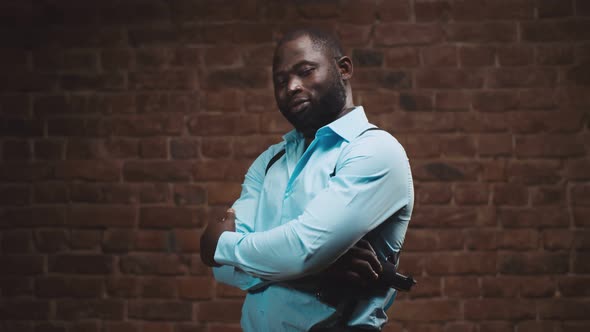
(294, 86)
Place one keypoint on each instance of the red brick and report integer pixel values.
(510, 194)
(549, 196)
(90, 309)
(433, 193)
(16, 150)
(461, 263)
(225, 101)
(539, 217)
(515, 55)
(183, 148)
(187, 240)
(85, 239)
(415, 122)
(481, 239)
(521, 239)
(217, 147)
(538, 287)
(50, 192)
(538, 326)
(532, 263)
(505, 309)
(574, 286)
(218, 170)
(149, 240)
(118, 240)
(440, 56)
(144, 125)
(481, 32)
(534, 172)
(471, 194)
(51, 240)
(447, 171)
(49, 149)
(501, 286)
(223, 124)
(153, 148)
(17, 241)
(253, 146)
(420, 146)
(16, 286)
(548, 146)
(569, 309)
(157, 327)
(555, 30)
(432, 10)
(153, 264)
(522, 77)
(81, 263)
(401, 57)
(393, 34)
(448, 78)
(240, 78)
(158, 287)
(458, 146)
(122, 287)
(25, 309)
(581, 195)
(23, 264)
(168, 217)
(436, 310)
(156, 171)
(452, 101)
(492, 145)
(195, 288)
(549, 122)
(52, 287)
(476, 55)
(420, 240)
(461, 287)
(92, 216)
(220, 311)
(160, 310)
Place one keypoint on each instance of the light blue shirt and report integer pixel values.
(298, 219)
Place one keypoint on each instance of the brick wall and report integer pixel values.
(125, 125)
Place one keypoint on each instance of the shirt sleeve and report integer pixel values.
(371, 184)
(245, 208)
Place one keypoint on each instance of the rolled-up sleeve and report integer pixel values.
(371, 184)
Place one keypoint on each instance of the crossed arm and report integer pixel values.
(370, 185)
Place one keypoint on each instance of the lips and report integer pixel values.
(298, 105)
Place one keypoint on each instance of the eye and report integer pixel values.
(306, 71)
(280, 81)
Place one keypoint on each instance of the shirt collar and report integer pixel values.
(348, 127)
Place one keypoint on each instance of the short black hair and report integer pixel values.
(321, 40)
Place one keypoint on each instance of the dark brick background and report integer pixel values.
(125, 125)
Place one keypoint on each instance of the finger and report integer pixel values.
(230, 215)
(364, 269)
(368, 256)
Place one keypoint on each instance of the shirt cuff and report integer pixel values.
(225, 253)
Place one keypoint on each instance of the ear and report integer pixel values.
(344, 64)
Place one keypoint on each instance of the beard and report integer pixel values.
(320, 112)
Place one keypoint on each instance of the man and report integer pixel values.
(333, 193)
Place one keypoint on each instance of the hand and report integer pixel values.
(211, 235)
(358, 267)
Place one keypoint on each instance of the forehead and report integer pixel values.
(297, 50)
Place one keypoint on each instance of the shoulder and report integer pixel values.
(380, 145)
